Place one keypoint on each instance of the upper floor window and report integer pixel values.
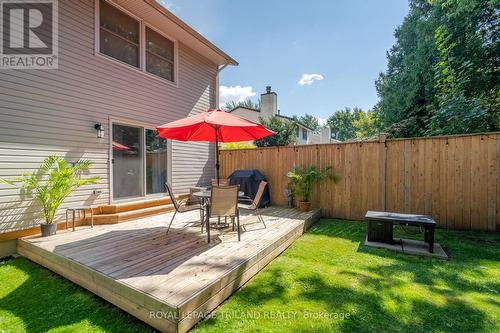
(159, 55)
(304, 134)
(119, 35)
(131, 41)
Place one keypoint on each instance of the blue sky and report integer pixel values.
(342, 42)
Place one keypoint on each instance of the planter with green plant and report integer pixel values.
(302, 180)
(54, 180)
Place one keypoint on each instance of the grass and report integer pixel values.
(325, 282)
(33, 299)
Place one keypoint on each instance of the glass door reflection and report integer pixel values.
(128, 161)
(156, 162)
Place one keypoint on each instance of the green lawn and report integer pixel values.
(326, 281)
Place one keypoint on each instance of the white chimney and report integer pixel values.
(268, 104)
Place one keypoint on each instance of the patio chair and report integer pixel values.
(182, 206)
(224, 203)
(222, 182)
(253, 205)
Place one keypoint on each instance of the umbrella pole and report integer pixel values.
(217, 154)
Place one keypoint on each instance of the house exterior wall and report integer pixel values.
(247, 114)
(44, 112)
(255, 117)
(299, 138)
(322, 137)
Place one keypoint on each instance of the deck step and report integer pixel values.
(129, 214)
(134, 205)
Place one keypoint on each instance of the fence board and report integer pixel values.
(453, 178)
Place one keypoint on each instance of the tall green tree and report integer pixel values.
(247, 103)
(311, 122)
(468, 68)
(442, 73)
(353, 123)
(342, 123)
(285, 132)
(407, 90)
(366, 124)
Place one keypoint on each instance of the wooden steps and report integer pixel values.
(107, 214)
(124, 211)
(130, 214)
(133, 205)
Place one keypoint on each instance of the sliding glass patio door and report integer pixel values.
(156, 162)
(139, 162)
(127, 161)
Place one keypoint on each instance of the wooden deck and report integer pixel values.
(168, 281)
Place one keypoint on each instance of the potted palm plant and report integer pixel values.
(302, 180)
(54, 180)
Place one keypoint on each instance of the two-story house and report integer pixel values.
(269, 108)
(124, 68)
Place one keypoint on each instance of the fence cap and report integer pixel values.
(382, 137)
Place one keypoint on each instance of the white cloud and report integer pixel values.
(169, 5)
(322, 121)
(308, 79)
(235, 93)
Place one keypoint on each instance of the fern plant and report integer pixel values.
(302, 180)
(54, 180)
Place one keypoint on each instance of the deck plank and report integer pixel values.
(139, 268)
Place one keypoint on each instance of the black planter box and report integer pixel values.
(48, 229)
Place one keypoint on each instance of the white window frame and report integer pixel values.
(144, 126)
(142, 45)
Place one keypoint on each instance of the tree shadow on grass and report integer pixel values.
(370, 314)
(380, 295)
(469, 251)
(449, 280)
(269, 285)
(272, 288)
(46, 301)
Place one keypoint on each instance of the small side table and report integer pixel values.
(380, 226)
(80, 210)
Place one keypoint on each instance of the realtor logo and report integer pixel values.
(29, 34)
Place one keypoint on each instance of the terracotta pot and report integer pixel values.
(48, 229)
(304, 206)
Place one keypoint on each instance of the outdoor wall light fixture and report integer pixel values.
(100, 130)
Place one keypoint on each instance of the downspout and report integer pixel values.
(219, 69)
(217, 106)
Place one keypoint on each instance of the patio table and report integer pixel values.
(204, 195)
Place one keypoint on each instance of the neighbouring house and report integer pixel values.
(269, 108)
(125, 67)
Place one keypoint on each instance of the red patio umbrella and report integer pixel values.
(213, 126)
(119, 147)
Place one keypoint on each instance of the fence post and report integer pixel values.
(383, 170)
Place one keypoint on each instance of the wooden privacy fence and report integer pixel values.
(453, 178)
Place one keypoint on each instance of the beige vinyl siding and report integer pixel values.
(45, 112)
(247, 114)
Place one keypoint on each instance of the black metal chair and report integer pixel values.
(253, 205)
(182, 206)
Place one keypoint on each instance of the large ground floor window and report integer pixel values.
(139, 161)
